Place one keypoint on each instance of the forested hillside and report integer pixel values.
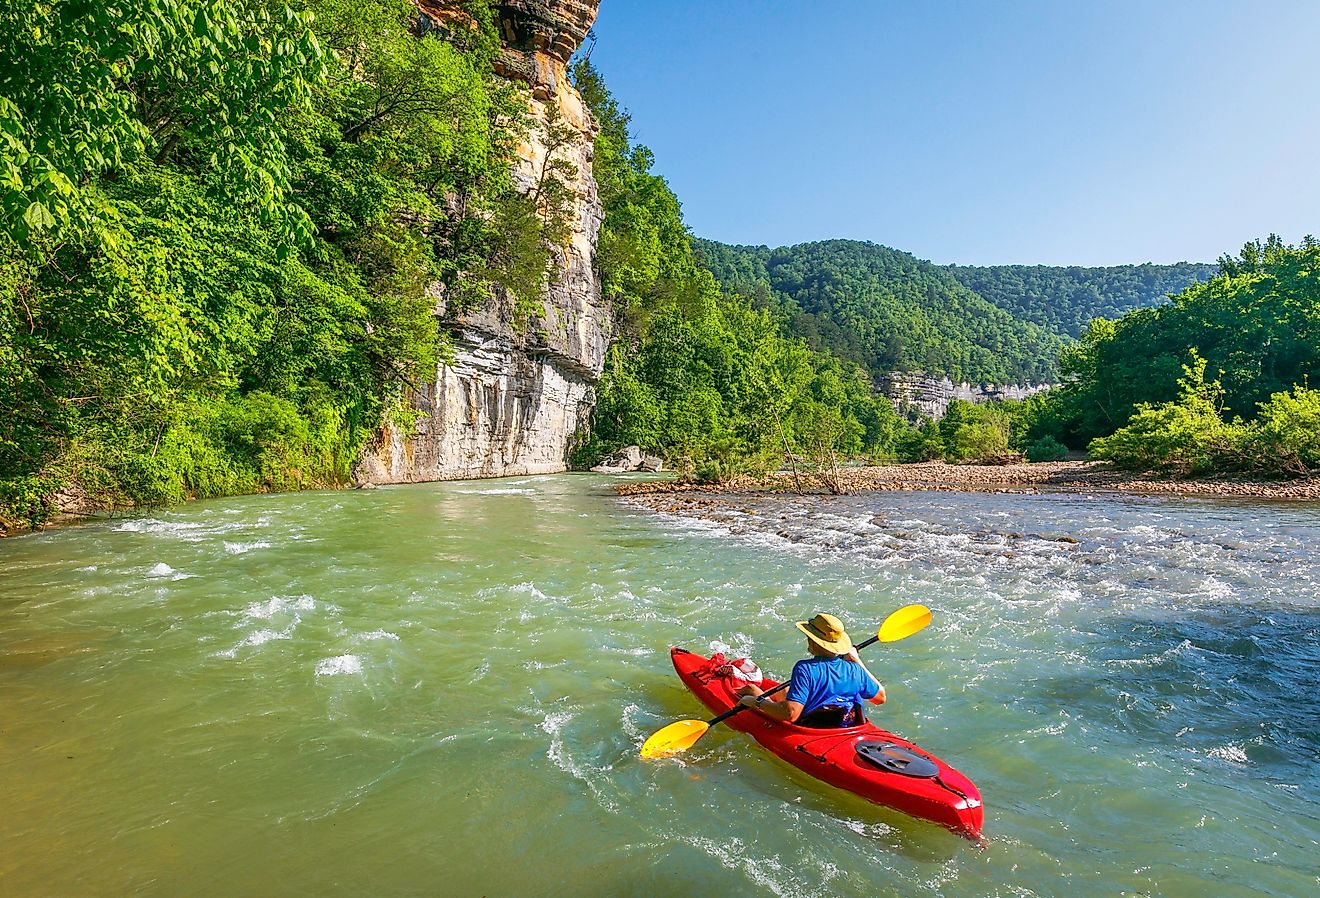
(887, 310)
(1064, 300)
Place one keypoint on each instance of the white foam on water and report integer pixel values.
(874, 830)
(526, 588)
(378, 634)
(628, 720)
(279, 605)
(1214, 588)
(553, 724)
(635, 652)
(257, 638)
(287, 608)
(501, 491)
(1054, 729)
(338, 666)
(160, 569)
(1231, 752)
(261, 637)
(733, 855)
(188, 531)
(1154, 660)
(244, 548)
(151, 525)
(742, 646)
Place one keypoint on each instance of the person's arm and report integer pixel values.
(879, 697)
(786, 710)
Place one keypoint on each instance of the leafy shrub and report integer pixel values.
(921, 443)
(725, 461)
(1047, 448)
(974, 442)
(1185, 437)
(1288, 432)
(25, 502)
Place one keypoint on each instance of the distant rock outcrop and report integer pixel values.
(932, 395)
(512, 398)
(628, 459)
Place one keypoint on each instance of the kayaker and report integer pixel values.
(827, 689)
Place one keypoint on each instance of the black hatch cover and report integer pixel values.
(897, 759)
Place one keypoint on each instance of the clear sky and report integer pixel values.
(1087, 133)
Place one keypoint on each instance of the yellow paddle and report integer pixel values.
(678, 737)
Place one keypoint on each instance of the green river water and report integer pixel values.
(441, 690)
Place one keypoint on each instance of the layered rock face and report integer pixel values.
(513, 397)
(932, 395)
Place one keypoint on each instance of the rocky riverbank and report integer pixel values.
(1063, 476)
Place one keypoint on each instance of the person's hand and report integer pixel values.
(747, 700)
(748, 689)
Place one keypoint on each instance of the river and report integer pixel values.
(441, 690)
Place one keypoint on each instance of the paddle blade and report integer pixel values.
(904, 622)
(676, 738)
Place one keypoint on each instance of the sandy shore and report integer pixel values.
(1061, 476)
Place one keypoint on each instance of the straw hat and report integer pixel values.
(827, 631)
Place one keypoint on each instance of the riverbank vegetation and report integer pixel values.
(1218, 379)
(223, 232)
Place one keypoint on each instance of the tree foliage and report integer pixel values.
(1256, 324)
(168, 332)
(1191, 435)
(87, 88)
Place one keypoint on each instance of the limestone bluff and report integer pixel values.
(513, 397)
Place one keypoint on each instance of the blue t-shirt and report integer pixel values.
(829, 681)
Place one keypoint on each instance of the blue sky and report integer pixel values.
(1095, 133)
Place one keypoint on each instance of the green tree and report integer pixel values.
(1187, 436)
(1256, 323)
(88, 88)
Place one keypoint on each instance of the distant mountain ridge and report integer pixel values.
(1064, 299)
(890, 311)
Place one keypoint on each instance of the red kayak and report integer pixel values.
(864, 760)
